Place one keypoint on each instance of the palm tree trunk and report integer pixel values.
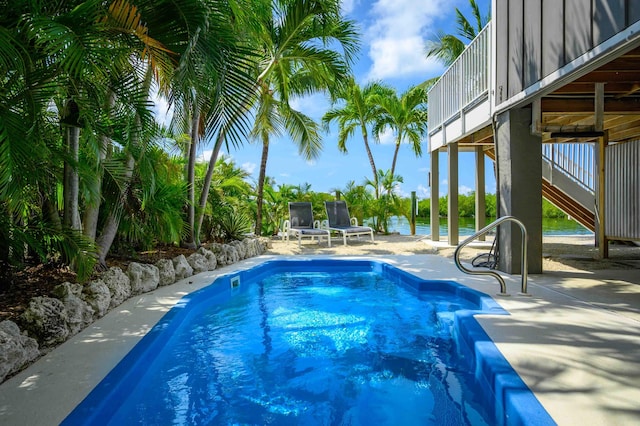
(191, 172)
(50, 211)
(92, 211)
(71, 180)
(261, 178)
(112, 223)
(395, 158)
(206, 185)
(371, 161)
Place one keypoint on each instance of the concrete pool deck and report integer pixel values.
(575, 342)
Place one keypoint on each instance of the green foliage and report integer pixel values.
(359, 200)
(231, 226)
(447, 47)
(550, 211)
(152, 211)
(229, 205)
(424, 208)
(466, 207)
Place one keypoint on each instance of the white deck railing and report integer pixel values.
(467, 82)
(575, 160)
(463, 83)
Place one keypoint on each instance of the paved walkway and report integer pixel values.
(575, 342)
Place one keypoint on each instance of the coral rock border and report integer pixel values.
(50, 321)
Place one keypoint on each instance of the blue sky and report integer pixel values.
(393, 36)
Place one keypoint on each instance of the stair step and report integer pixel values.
(565, 203)
(561, 200)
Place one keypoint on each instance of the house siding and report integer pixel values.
(535, 38)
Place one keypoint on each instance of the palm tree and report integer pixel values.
(447, 47)
(152, 61)
(103, 57)
(70, 55)
(358, 111)
(210, 90)
(406, 116)
(385, 206)
(360, 200)
(296, 38)
(271, 118)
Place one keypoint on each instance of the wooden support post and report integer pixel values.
(434, 181)
(599, 107)
(601, 237)
(481, 219)
(414, 212)
(452, 206)
(536, 117)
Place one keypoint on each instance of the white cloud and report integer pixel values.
(397, 36)
(465, 190)
(423, 191)
(348, 6)
(249, 167)
(387, 137)
(205, 155)
(397, 189)
(313, 105)
(462, 189)
(161, 110)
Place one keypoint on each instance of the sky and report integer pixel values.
(392, 51)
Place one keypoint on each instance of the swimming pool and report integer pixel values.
(317, 342)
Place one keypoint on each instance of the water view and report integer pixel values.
(467, 227)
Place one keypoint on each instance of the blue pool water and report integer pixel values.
(316, 343)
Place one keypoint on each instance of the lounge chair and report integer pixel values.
(301, 224)
(340, 221)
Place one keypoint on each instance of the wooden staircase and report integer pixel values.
(561, 200)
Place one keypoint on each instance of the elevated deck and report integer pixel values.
(581, 84)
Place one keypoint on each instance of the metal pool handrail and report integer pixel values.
(483, 231)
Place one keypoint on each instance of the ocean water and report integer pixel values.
(550, 227)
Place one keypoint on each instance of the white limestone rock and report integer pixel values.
(255, 246)
(225, 253)
(212, 261)
(98, 296)
(46, 320)
(218, 251)
(167, 272)
(241, 248)
(79, 312)
(16, 349)
(198, 263)
(119, 285)
(144, 277)
(182, 267)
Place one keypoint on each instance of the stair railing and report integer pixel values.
(574, 160)
(485, 230)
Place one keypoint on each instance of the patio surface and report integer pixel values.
(575, 342)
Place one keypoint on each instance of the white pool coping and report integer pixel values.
(575, 342)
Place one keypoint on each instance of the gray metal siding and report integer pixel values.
(532, 42)
(535, 38)
(516, 46)
(552, 36)
(501, 16)
(634, 12)
(622, 191)
(577, 28)
(608, 19)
